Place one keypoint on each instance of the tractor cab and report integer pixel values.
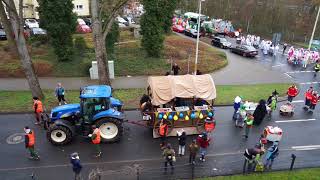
(94, 99)
(97, 107)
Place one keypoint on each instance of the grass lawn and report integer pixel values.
(302, 174)
(22, 99)
(130, 58)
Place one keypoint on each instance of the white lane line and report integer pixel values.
(278, 65)
(306, 147)
(296, 120)
(295, 72)
(298, 101)
(309, 83)
(288, 75)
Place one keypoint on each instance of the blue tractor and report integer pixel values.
(97, 107)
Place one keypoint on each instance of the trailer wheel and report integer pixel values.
(111, 129)
(157, 125)
(59, 135)
(200, 125)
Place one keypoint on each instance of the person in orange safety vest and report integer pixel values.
(163, 132)
(96, 139)
(38, 109)
(29, 143)
(308, 96)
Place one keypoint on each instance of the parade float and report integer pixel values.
(184, 102)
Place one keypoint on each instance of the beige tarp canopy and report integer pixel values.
(165, 88)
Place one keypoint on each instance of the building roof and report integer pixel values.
(95, 91)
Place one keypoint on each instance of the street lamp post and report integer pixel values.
(198, 37)
(314, 28)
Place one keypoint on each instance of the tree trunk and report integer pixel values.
(99, 44)
(7, 28)
(26, 63)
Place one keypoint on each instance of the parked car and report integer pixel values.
(121, 21)
(178, 28)
(38, 31)
(3, 35)
(244, 50)
(129, 21)
(192, 33)
(220, 42)
(31, 23)
(82, 27)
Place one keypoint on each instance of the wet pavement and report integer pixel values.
(139, 151)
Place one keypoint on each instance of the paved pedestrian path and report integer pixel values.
(239, 71)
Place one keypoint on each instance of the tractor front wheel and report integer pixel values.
(111, 129)
(59, 135)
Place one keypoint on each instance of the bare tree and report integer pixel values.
(103, 15)
(7, 28)
(16, 22)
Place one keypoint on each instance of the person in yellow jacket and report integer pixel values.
(249, 123)
(29, 143)
(96, 139)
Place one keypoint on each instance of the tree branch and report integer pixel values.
(107, 30)
(8, 4)
(107, 26)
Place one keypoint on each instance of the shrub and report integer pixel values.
(80, 44)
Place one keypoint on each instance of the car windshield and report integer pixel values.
(32, 21)
(37, 30)
(223, 40)
(91, 106)
(250, 48)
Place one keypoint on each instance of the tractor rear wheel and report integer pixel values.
(111, 129)
(59, 135)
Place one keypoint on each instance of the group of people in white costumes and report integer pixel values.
(250, 40)
(302, 56)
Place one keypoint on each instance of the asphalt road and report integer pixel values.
(138, 149)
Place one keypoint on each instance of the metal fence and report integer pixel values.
(215, 166)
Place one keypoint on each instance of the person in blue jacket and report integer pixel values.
(76, 165)
(59, 93)
(272, 153)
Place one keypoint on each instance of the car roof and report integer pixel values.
(95, 91)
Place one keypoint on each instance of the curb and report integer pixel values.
(280, 99)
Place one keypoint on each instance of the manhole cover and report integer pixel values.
(15, 138)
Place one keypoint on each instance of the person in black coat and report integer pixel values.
(182, 142)
(260, 112)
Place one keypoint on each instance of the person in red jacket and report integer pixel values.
(203, 142)
(314, 100)
(308, 96)
(30, 140)
(292, 92)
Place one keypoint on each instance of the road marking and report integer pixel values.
(309, 147)
(288, 75)
(309, 83)
(296, 120)
(297, 101)
(306, 149)
(278, 65)
(295, 72)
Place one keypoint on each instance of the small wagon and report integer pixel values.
(273, 133)
(287, 110)
(182, 101)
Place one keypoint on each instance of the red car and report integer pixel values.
(82, 28)
(178, 28)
